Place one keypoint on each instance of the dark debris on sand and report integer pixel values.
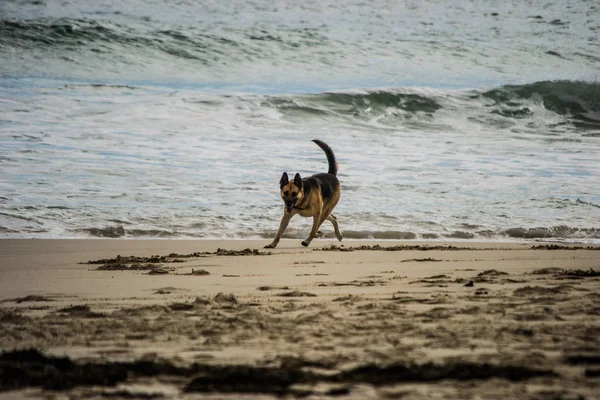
(279, 380)
(489, 275)
(358, 283)
(548, 271)
(223, 298)
(562, 247)
(573, 273)
(377, 247)
(265, 288)
(119, 260)
(540, 290)
(245, 252)
(492, 272)
(582, 273)
(181, 306)
(220, 299)
(296, 293)
(124, 266)
(158, 271)
(31, 368)
(134, 263)
(80, 311)
(11, 317)
(583, 359)
(199, 272)
(29, 298)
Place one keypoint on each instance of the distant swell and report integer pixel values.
(26, 34)
(207, 47)
(74, 36)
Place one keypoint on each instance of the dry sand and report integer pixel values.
(182, 319)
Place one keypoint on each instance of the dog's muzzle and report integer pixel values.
(289, 205)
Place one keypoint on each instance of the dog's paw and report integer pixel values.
(320, 234)
(270, 246)
(305, 243)
(340, 238)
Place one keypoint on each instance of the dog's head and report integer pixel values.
(292, 192)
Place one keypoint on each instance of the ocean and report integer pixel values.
(463, 120)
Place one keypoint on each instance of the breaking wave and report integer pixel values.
(578, 102)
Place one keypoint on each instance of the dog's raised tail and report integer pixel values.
(333, 166)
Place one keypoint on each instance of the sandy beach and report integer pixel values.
(228, 319)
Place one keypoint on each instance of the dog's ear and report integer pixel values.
(284, 179)
(298, 181)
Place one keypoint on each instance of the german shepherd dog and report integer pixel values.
(315, 196)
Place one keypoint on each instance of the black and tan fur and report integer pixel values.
(315, 196)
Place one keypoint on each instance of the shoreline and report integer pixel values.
(494, 239)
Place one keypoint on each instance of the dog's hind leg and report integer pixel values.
(333, 219)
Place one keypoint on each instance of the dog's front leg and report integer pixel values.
(285, 220)
(314, 231)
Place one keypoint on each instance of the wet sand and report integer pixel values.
(229, 319)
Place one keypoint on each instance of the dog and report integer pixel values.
(315, 197)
